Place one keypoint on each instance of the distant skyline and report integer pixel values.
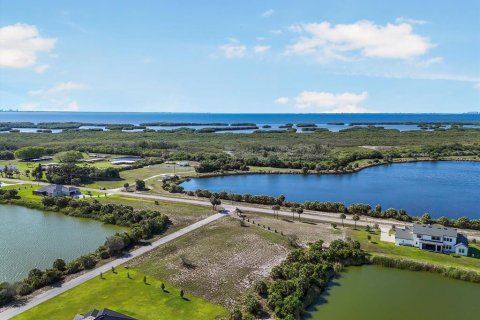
(240, 57)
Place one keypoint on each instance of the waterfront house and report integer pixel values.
(436, 238)
(102, 314)
(57, 190)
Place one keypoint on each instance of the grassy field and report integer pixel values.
(129, 296)
(25, 191)
(149, 173)
(218, 262)
(375, 246)
(306, 231)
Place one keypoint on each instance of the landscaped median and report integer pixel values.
(126, 292)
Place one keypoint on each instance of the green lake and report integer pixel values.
(34, 239)
(377, 293)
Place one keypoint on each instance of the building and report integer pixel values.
(57, 190)
(102, 314)
(10, 168)
(183, 163)
(436, 238)
(50, 166)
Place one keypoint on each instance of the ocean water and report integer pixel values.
(258, 118)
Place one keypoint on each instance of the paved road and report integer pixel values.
(11, 312)
(326, 217)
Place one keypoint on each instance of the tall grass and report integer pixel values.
(406, 264)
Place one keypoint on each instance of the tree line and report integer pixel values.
(70, 173)
(359, 209)
(302, 276)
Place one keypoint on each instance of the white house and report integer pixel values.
(183, 163)
(436, 238)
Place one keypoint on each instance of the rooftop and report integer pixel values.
(52, 188)
(103, 314)
(434, 230)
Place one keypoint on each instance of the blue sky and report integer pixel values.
(240, 56)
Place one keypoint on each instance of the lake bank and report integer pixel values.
(439, 188)
(34, 239)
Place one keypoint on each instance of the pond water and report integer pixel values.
(373, 292)
(449, 188)
(34, 239)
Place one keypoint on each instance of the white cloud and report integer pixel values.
(410, 21)
(28, 106)
(51, 106)
(20, 44)
(261, 49)
(268, 13)
(429, 62)
(59, 88)
(360, 39)
(233, 49)
(276, 31)
(282, 100)
(330, 102)
(41, 68)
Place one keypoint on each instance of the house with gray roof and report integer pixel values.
(435, 238)
(102, 314)
(57, 190)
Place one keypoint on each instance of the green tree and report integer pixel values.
(343, 216)
(425, 218)
(139, 185)
(30, 152)
(355, 218)
(182, 293)
(59, 264)
(126, 185)
(70, 156)
(114, 244)
(299, 212)
(162, 286)
(215, 202)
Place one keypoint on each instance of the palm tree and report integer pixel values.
(355, 218)
(238, 212)
(293, 213)
(343, 216)
(299, 211)
(275, 209)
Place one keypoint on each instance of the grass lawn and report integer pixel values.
(375, 246)
(25, 191)
(219, 262)
(129, 296)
